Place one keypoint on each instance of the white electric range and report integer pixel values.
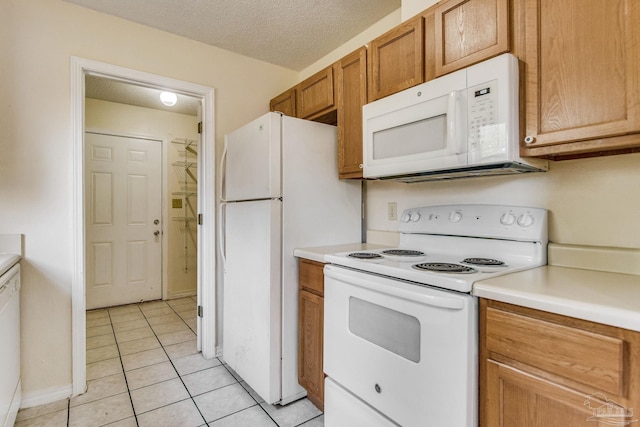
(400, 333)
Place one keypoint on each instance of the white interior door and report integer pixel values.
(123, 203)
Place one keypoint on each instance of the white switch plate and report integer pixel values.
(392, 211)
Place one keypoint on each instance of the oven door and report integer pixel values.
(420, 129)
(407, 350)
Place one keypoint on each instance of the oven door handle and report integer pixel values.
(394, 289)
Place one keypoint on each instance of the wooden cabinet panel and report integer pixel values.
(429, 22)
(285, 103)
(351, 95)
(396, 59)
(527, 401)
(315, 94)
(311, 329)
(589, 358)
(544, 369)
(311, 276)
(582, 76)
(310, 346)
(469, 31)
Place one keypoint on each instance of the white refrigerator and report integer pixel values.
(280, 191)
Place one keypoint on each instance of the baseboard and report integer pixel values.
(42, 397)
(176, 295)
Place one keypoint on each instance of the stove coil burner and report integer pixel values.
(402, 252)
(443, 267)
(364, 255)
(489, 262)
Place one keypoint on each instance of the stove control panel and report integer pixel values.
(488, 221)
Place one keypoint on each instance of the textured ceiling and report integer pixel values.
(290, 33)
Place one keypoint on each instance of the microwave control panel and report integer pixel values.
(486, 136)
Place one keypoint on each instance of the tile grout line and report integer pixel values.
(174, 366)
(135, 417)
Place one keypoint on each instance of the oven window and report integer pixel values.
(422, 136)
(392, 330)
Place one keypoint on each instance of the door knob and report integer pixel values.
(156, 233)
(156, 221)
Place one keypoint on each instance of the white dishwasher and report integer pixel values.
(10, 387)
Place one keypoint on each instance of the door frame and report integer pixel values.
(206, 203)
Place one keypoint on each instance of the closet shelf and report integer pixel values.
(185, 193)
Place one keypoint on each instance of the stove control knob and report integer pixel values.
(455, 216)
(507, 219)
(406, 217)
(525, 220)
(415, 217)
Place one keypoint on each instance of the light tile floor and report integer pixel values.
(143, 369)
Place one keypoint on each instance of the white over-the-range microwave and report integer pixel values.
(462, 124)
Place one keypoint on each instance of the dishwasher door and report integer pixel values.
(10, 391)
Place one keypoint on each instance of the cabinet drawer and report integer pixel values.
(311, 276)
(586, 357)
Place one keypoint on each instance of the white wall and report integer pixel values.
(362, 39)
(410, 8)
(145, 122)
(37, 40)
(591, 201)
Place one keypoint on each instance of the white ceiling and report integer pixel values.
(290, 33)
(127, 93)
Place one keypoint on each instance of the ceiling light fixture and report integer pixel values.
(168, 98)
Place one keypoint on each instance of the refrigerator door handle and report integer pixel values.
(223, 165)
(222, 240)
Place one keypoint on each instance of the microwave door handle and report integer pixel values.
(452, 124)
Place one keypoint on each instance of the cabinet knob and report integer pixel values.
(529, 139)
(360, 166)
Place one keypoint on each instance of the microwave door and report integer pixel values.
(430, 135)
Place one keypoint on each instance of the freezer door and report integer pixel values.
(252, 167)
(252, 294)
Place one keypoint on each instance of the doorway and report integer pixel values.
(205, 205)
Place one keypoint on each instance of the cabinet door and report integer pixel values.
(582, 76)
(469, 31)
(285, 103)
(396, 59)
(310, 346)
(524, 400)
(311, 276)
(351, 93)
(315, 94)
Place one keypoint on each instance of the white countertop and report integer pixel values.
(317, 254)
(7, 261)
(603, 297)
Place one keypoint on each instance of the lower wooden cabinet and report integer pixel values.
(311, 330)
(542, 369)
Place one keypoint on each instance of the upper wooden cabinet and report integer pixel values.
(351, 95)
(582, 76)
(396, 59)
(469, 31)
(315, 95)
(285, 103)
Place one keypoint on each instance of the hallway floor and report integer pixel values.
(143, 369)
